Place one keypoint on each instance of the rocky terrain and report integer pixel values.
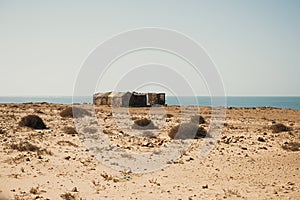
(256, 154)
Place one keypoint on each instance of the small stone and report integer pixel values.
(75, 189)
(205, 186)
(67, 157)
(261, 139)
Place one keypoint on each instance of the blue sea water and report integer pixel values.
(232, 101)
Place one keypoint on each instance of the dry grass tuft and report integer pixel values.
(187, 131)
(292, 146)
(70, 130)
(277, 128)
(68, 196)
(75, 112)
(26, 146)
(32, 121)
(143, 123)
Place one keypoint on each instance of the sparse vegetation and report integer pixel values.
(70, 130)
(143, 123)
(230, 193)
(291, 146)
(32, 121)
(109, 177)
(277, 128)
(75, 112)
(197, 119)
(27, 146)
(34, 190)
(187, 131)
(68, 196)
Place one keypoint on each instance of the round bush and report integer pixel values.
(198, 119)
(143, 123)
(74, 112)
(277, 128)
(32, 121)
(187, 131)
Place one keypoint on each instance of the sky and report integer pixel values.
(255, 45)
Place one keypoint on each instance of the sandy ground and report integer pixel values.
(247, 161)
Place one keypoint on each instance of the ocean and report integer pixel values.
(232, 101)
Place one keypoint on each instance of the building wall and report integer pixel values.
(130, 99)
(138, 100)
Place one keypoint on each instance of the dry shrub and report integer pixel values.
(70, 130)
(198, 119)
(277, 128)
(34, 190)
(68, 196)
(187, 131)
(143, 123)
(169, 115)
(292, 146)
(75, 112)
(32, 121)
(25, 146)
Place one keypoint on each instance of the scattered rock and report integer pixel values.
(75, 189)
(205, 186)
(261, 139)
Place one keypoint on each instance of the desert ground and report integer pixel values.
(252, 158)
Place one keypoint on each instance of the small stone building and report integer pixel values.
(138, 100)
(118, 99)
(127, 99)
(156, 99)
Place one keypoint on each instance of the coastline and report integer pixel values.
(288, 102)
(248, 160)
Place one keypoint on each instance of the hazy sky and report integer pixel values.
(255, 44)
